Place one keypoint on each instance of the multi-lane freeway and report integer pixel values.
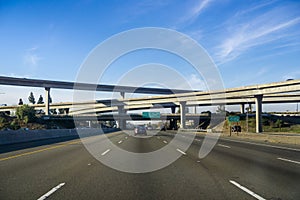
(233, 170)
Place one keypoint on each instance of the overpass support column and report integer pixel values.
(258, 104)
(173, 108)
(250, 107)
(47, 101)
(122, 95)
(173, 122)
(121, 122)
(242, 108)
(182, 114)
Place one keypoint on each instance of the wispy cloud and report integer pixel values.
(262, 72)
(31, 57)
(196, 83)
(195, 34)
(193, 13)
(259, 30)
(255, 7)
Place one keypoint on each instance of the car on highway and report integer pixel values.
(236, 129)
(140, 130)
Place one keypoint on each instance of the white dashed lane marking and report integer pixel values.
(45, 196)
(287, 160)
(246, 190)
(181, 151)
(105, 152)
(225, 146)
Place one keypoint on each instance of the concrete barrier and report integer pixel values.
(12, 137)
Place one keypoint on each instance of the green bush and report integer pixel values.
(279, 123)
(2, 122)
(25, 113)
(14, 125)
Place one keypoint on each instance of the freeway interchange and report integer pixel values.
(56, 169)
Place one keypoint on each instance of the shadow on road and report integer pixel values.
(24, 145)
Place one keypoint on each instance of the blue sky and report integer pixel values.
(251, 42)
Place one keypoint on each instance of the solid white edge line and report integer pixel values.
(45, 196)
(105, 152)
(165, 141)
(181, 151)
(120, 141)
(221, 145)
(287, 160)
(247, 190)
(258, 144)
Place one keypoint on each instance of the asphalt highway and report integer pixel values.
(232, 170)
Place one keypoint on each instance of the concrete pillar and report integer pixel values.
(250, 107)
(66, 111)
(122, 95)
(182, 114)
(47, 101)
(173, 108)
(173, 124)
(258, 104)
(121, 122)
(242, 108)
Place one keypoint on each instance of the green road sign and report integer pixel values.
(152, 115)
(234, 118)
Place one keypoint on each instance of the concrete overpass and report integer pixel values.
(48, 84)
(280, 92)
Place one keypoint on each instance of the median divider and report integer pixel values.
(19, 136)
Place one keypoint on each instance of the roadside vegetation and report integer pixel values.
(271, 123)
(27, 118)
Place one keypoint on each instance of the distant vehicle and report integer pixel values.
(163, 128)
(140, 130)
(149, 128)
(236, 129)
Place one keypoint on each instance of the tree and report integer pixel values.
(20, 102)
(25, 113)
(279, 123)
(31, 98)
(41, 100)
